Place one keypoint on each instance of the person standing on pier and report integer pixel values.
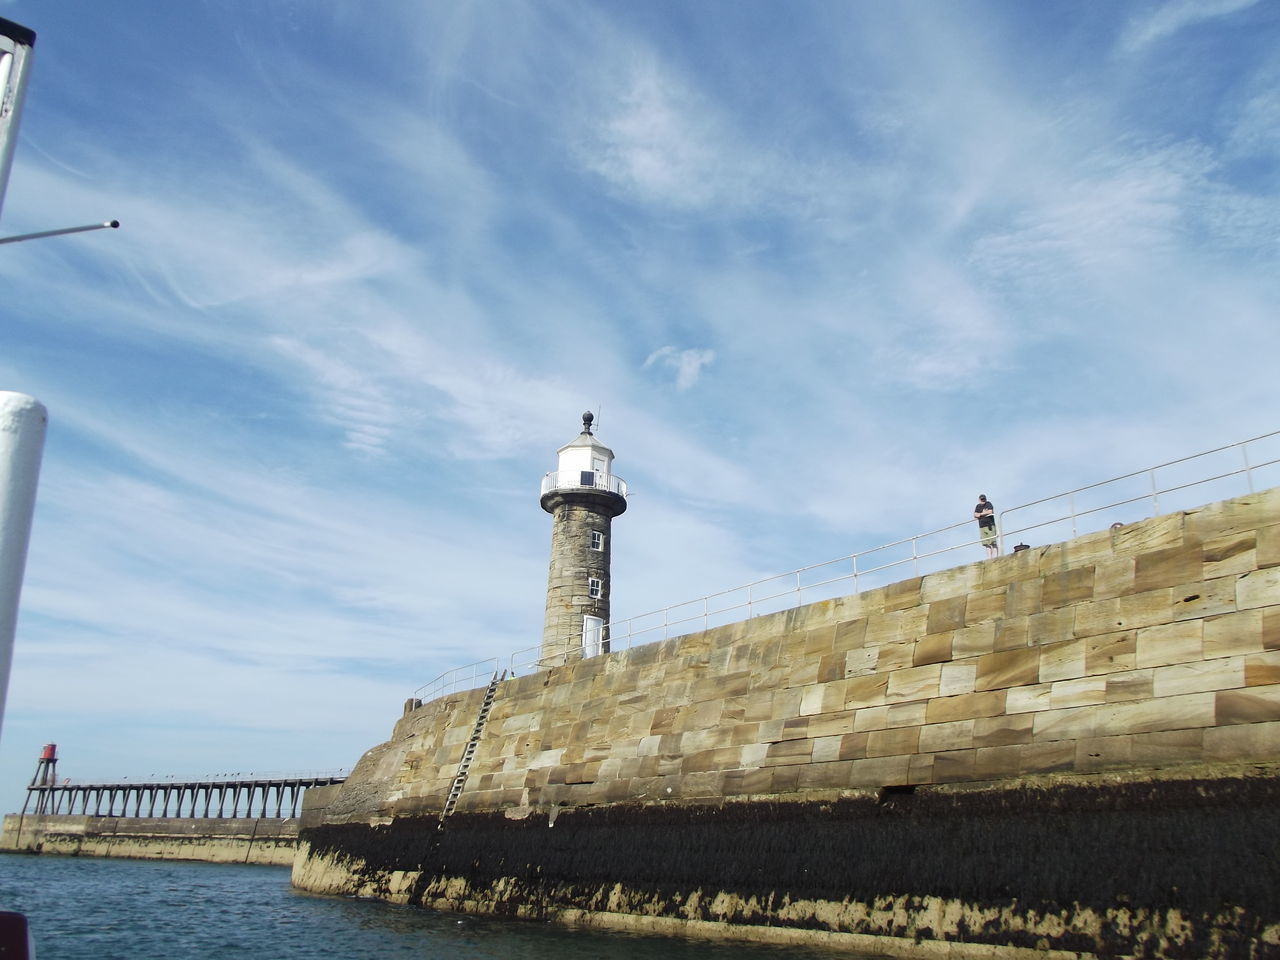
(985, 514)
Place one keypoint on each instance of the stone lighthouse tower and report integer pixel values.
(583, 496)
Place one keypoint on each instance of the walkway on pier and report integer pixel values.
(221, 798)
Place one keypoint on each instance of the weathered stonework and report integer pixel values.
(576, 515)
(1153, 647)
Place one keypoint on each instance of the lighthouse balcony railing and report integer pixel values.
(583, 480)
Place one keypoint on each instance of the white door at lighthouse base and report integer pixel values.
(592, 636)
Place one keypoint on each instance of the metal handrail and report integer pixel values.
(622, 634)
(458, 679)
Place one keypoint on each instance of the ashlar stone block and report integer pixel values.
(1134, 685)
(1050, 626)
(1066, 587)
(1023, 597)
(1113, 578)
(871, 718)
(880, 771)
(1151, 535)
(861, 661)
(957, 582)
(865, 691)
(853, 746)
(1011, 668)
(788, 752)
(826, 749)
(1029, 699)
(1147, 609)
(966, 706)
(1251, 705)
(994, 762)
(915, 683)
(1166, 713)
(1234, 516)
(1049, 757)
(1012, 634)
(1169, 746)
(920, 768)
(1180, 678)
(907, 714)
(946, 615)
(957, 678)
(973, 641)
(1231, 555)
(954, 766)
(986, 605)
(1258, 589)
(932, 649)
(1267, 551)
(903, 595)
(1262, 669)
(831, 723)
(1111, 653)
(1103, 753)
(894, 742)
(1233, 634)
(1074, 723)
(1246, 741)
(1062, 661)
(1097, 617)
(1207, 598)
(895, 655)
(1170, 643)
(1077, 693)
(1169, 567)
(828, 775)
(938, 737)
(1003, 731)
(1010, 568)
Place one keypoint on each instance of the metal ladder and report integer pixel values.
(469, 752)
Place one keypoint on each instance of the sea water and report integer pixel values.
(82, 908)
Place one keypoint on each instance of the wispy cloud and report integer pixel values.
(1166, 19)
(686, 364)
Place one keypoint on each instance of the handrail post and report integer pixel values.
(1155, 493)
(1071, 508)
(1248, 471)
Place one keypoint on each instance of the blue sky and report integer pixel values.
(824, 270)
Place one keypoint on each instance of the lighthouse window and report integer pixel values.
(597, 540)
(595, 588)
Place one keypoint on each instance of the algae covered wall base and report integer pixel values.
(1180, 867)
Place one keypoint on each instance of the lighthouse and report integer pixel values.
(583, 496)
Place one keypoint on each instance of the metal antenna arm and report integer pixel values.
(113, 224)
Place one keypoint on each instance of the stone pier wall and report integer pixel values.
(1145, 655)
(257, 840)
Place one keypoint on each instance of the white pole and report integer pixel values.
(22, 425)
